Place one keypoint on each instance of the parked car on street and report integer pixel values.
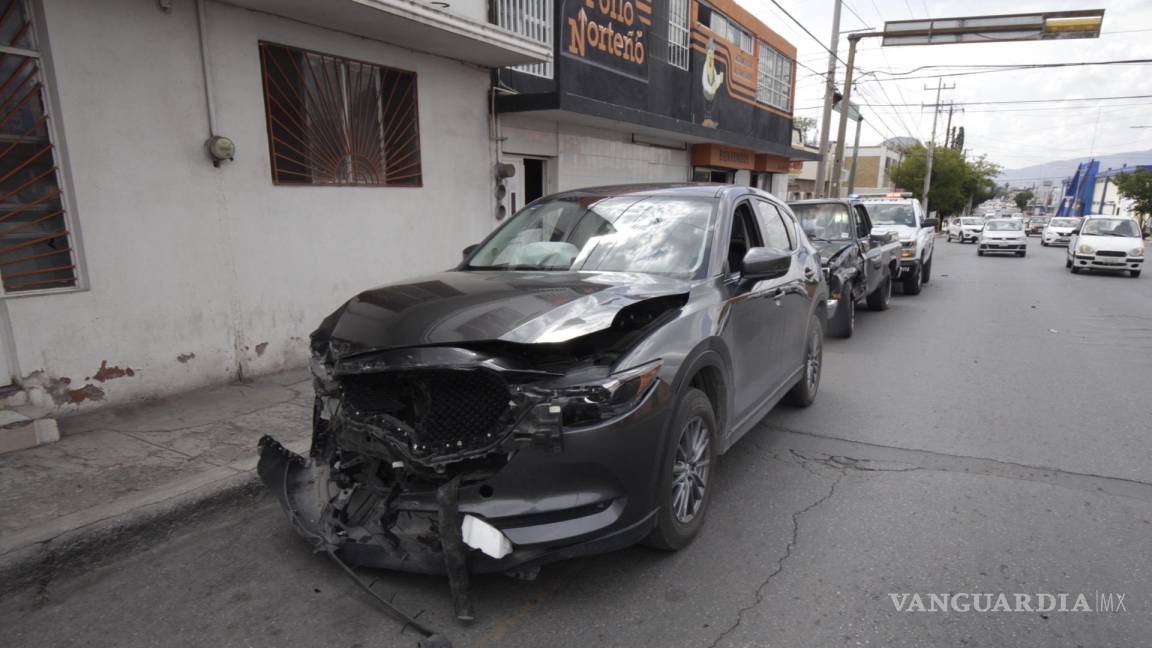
(903, 215)
(1003, 235)
(1106, 243)
(565, 390)
(1036, 225)
(858, 264)
(1058, 231)
(965, 228)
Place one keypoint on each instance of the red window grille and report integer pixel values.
(335, 121)
(35, 242)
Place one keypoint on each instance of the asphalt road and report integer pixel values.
(990, 435)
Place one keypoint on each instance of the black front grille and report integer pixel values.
(1111, 253)
(446, 411)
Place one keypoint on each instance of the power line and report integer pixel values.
(805, 29)
(1018, 101)
(970, 69)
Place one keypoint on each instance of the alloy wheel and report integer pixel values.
(812, 363)
(690, 470)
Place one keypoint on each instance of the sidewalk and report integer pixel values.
(119, 472)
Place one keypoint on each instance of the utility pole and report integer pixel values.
(932, 142)
(948, 128)
(829, 91)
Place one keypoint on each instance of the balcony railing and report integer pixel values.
(531, 19)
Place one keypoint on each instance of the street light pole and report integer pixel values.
(842, 131)
(829, 91)
(932, 144)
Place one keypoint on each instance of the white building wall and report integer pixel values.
(184, 258)
(590, 157)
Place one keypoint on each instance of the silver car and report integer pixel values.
(1003, 235)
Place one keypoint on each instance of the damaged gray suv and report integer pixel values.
(565, 390)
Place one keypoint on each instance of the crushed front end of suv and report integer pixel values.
(565, 390)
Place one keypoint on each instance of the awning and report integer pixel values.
(575, 109)
(414, 25)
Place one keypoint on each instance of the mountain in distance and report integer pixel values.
(1058, 170)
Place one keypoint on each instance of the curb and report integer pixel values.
(80, 542)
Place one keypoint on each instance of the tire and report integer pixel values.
(878, 299)
(1134, 273)
(672, 531)
(804, 392)
(1067, 262)
(1044, 243)
(1020, 254)
(926, 275)
(843, 323)
(979, 252)
(912, 282)
(1075, 269)
(949, 237)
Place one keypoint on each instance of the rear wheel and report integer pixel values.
(844, 321)
(804, 393)
(878, 299)
(685, 485)
(912, 281)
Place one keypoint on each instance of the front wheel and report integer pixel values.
(949, 237)
(927, 274)
(1075, 269)
(878, 299)
(979, 252)
(1067, 262)
(686, 481)
(1044, 243)
(912, 281)
(804, 393)
(843, 323)
(1134, 273)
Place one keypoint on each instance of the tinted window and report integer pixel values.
(776, 233)
(745, 235)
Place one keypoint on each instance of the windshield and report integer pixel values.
(827, 221)
(1004, 226)
(652, 234)
(971, 221)
(1110, 227)
(1063, 222)
(892, 214)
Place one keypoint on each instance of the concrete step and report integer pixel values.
(25, 429)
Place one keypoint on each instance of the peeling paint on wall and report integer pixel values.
(260, 348)
(87, 392)
(105, 373)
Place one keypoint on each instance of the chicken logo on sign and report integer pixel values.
(711, 81)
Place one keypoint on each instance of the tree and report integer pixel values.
(958, 140)
(804, 125)
(955, 180)
(1023, 198)
(1137, 187)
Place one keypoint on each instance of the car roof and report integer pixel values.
(699, 189)
(824, 201)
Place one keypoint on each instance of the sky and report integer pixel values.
(1013, 136)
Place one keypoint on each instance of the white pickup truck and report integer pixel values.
(904, 216)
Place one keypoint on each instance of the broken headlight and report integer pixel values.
(615, 395)
(322, 372)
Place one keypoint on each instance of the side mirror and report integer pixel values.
(766, 263)
(929, 222)
(469, 250)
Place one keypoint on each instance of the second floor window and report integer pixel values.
(678, 33)
(774, 78)
(725, 28)
(333, 121)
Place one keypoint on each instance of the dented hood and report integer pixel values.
(521, 307)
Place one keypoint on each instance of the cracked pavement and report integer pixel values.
(957, 445)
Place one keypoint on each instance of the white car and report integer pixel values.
(1003, 235)
(904, 216)
(965, 228)
(1106, 243)
(1059, 230)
